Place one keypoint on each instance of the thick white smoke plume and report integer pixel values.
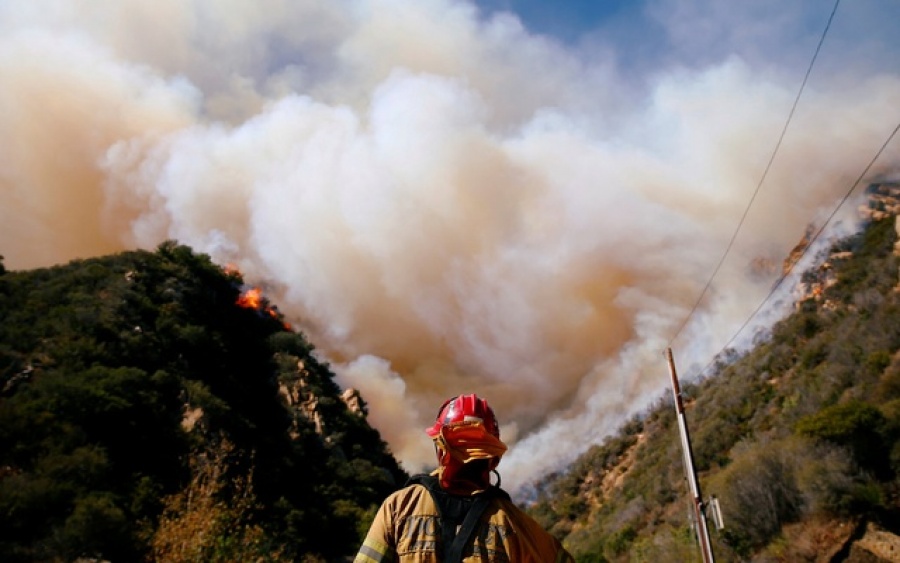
(444, 201)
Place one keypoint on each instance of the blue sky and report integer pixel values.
(564, 19)
(655, 33)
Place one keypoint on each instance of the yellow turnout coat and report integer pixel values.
(407, 529)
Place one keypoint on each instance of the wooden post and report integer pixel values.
(697, 498)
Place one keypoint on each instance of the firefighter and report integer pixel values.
(455, 514)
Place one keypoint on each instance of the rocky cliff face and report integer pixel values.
(300, 396)
(882, 202)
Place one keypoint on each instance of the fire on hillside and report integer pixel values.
(253, 298)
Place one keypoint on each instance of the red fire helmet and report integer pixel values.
(462, 409)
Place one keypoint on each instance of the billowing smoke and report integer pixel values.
(443, 201)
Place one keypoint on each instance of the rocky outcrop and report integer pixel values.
(301, 400)
(298, 394)
(354, 401)
(878, 542)
(882, 201)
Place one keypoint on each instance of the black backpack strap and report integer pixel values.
(455, 542)
(454, 553)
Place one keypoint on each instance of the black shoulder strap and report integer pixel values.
(455, 542)
(454, 553)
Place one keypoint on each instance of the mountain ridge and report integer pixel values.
(797, 437)
(136, 382)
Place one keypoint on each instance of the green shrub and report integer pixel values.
(758, 493)
(97, 528)
(856, 426)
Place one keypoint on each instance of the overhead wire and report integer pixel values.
(762, 179)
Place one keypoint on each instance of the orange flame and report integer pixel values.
(253, 299)
(232, 270)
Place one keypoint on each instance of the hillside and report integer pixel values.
(798, 438)
(152, 409)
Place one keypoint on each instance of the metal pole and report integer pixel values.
(699, 512)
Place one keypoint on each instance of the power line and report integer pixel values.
(740, 224)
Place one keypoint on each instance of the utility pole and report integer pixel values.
(697, 498)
